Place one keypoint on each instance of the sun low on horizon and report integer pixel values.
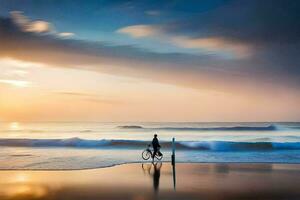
(155, 61)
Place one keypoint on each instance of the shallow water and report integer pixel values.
(75, 145)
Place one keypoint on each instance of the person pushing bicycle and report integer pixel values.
(153, 152)
(155, 145)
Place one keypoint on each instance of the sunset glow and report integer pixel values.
(149, 99)
(154, 66)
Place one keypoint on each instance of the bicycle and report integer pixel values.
(148, 153)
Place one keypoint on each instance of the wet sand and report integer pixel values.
(147, 181)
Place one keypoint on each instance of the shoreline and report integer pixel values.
(149, 162)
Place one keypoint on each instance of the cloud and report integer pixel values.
(255, 22)
(16, 83)
(94, 98)
(138, 31)
(66, 34)
(16, 72)
(264, 36)
(12, 63)
(79, 94)
(213, 44)
(26, 25)
(197, 71)
(38, 26)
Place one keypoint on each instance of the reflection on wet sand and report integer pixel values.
(225, 168)
(26, 191)
(155, 174)
(155, 181)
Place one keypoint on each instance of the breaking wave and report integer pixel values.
(130, 127)
(139, 144)
(234, 128)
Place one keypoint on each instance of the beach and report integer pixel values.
(85, 160)
(156, 181)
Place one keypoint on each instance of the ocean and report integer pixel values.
(83, 145)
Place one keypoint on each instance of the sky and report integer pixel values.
(130, 60)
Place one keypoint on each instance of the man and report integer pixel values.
(155, 145)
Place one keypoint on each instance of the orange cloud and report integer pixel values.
(215, 44)
(38, 26)
(138, 31)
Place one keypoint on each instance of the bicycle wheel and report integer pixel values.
(159, 157)
(146, 155)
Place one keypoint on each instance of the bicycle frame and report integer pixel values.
(151, 150)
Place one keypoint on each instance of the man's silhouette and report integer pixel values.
(155, 145)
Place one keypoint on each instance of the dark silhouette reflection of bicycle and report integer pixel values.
(155, 173)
